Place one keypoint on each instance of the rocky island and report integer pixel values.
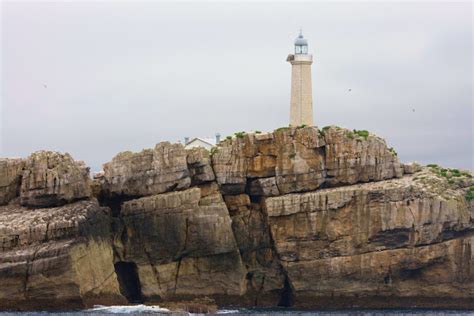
(302, 217)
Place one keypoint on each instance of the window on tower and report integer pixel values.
(298, 49)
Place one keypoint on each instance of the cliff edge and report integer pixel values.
(301, 217)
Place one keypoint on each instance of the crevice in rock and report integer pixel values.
(260, 290)
(114, 202)
(286, 294)
(129, 281)
(177, 276)
(153, 267)
(29, 266)
(287, 297)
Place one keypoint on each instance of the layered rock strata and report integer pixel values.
(301, 159)
(10, 178)
(298, 217)
(53, 179)
(386, 239)
(58, 257)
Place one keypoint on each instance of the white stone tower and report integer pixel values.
(301, 104)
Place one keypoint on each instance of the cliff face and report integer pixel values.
(300, 216)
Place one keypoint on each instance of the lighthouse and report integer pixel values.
(301, 103)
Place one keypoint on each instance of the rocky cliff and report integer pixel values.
(298, 217)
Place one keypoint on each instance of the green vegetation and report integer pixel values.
(239, 134)
(455, 172)
(392, 151)
(214, 150)
(258, 132)
(292, 156)
(323, 130)
(470, 193)
(302, 126)
(228, 137)
(362, 133)
(350, 135)
(284, 128)
(448, 173)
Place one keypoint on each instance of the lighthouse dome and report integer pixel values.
(300, 40)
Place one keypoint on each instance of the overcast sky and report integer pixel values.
(97, 78)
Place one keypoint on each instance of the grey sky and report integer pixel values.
(126, 75)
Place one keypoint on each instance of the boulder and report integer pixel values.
(53, 179)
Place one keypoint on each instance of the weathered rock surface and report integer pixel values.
(290, 160)
(301, 216)
(264, 273)
(383, 239)
(182, 244)
(151, 171)
(53, 179)
(301, 159)
(56, 257)
(10, 177)
(351, 158)
(199, 163)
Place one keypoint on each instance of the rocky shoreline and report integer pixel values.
(302, 217)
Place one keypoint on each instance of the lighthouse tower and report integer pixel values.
(301, 104)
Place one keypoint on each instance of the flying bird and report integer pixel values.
(350, 90)
(44, 85)
(413, 110)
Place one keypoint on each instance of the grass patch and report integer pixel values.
(447, 173)
(350, 135)
(470, 193)
(455, 172)
(432, 165)
(284, 128)
(362, 133)
(444, 173)
(214, 150)
(258, 132)
(323, 130)
(392, 151)
(239, 134)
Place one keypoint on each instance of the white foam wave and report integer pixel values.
(128, 309)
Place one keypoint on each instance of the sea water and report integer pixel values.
(156, 310)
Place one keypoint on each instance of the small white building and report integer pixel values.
(204, 142)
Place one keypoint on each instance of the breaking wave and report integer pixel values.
(128, 309)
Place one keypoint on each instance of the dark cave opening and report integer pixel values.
(129, 281)
(286, 298)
